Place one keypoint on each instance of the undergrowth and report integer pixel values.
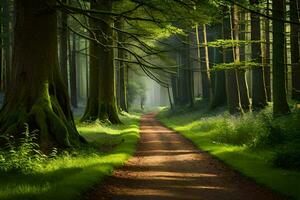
(264, 148)
(22, 155)
(28, 174)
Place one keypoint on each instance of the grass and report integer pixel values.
(244, 143)
(69, 175)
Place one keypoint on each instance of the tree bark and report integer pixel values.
(7, 42)
(204, 63)
(37, 95)
(219, 95)
(102, 96)
(280, 105)
(73, 73)
(64, 37)
(233, 96)
(122, 70)
(242, 87)
(295, 50)
(267, 58)
(1, 47)
(259, 98)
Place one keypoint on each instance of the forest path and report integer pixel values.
(167, 166)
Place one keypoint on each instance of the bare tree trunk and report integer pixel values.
(7, 42)
(280, 105)
(295, 50)
(259, 98)
(64, 37)
(267, 59)
(1, 47)
(204, 64)
(73, 73)
(242, 87)
(219, 95)
(122, 70)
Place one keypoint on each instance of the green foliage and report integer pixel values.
(256, 144)
(231, 43)
(77, 170)
(21, 156)
(135, 89)
(235, 65)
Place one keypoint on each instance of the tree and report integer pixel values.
(294, 5)
(122, 68)
(64, 47)
(242, 87)
(102, 95)
(73, 71)
(280, 105)
(267, 56)
(7, 41)
(259, 98)
(204, 64)
(232, 90)
(37, 95)
(219, 95)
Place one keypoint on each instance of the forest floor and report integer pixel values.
(168, 166)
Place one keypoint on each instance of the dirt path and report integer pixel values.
(167, 166)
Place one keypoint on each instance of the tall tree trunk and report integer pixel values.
(7, 42)
(1, 48)
(219, 95)
(37, 95)
(122, 70)
(174, 84)
(73, 73)
(102, 96)
(183, 74)
(204, 64)
(233, 96)
(295, 50)
(242, 86)
(190, 72)
(64, 47)
(267, 58)
(280, 105)
(259, 98)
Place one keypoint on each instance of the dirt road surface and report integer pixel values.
(166, 166)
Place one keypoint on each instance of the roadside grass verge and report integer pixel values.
(256, 145)
(69, 174)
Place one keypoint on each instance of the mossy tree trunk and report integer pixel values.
(102, 103)
(295, 50)
(280, 105)
(37, 95)
(259, 98)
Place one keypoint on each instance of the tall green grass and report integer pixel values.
(70, 174)
(255, 144)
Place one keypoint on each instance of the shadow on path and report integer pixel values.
(167, 166)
